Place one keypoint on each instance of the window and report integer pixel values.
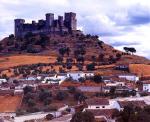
(103, 106)
(97, 107)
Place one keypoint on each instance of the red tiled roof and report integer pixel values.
(97, 101)
(102, 112)
(146, 82)
(140, 103)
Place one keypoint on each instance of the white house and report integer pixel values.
(77, 75)
(30, 78)
(59, 78)
(115, 84)
(102, 107)
(101, 103)
(3, 81)
(146, 86)
(137, 103)
(54, 79)
(130, 77)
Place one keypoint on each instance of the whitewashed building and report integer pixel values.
(3, 81)
(146, 86)
(77, 75)
(130, 77)
(101, 103)
(102, 107)
(115, 84)
(59, 78)
(55, 79)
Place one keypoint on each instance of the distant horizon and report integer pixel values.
(116, 22)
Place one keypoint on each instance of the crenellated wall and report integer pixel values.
(47, 26)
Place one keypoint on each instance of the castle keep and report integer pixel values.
(68, 23)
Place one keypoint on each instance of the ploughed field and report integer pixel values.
(140, 69)
(16, 60)
(10, 103)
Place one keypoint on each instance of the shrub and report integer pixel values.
(49, 117)
(71, 89)
(90, 67)
(61, 95)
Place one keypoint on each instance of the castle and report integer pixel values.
(47, 26)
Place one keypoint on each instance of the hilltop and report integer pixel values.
(70, 52)
(66, 45)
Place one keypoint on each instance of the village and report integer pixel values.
(57, 97)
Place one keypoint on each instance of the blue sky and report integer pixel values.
(117, 22)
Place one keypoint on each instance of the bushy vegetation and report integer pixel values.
(133, 113)
(83, 117)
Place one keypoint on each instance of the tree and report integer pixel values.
(62, 51)
(27, 89)
(112, 90)
(49, 117)
(59, 59)
(147, 109)
(44, 40)
(80, 59)
(83, 117)
(90, 67)
(68, 51)
(100, 43)
(31, 103)
(79, 96)
(130, 49)
(93, 58)
(71, 89)
(101, 57)
(118, 56)
(81, 79)
(126, 49)
(61, 95)
(1, 47)
(69, 66)
(79, 66)
(112, 59)
(28, 96)
(132, 113)
(98, 79)
(11, 36)
(44, 94)
(47, 101)
(69, 60)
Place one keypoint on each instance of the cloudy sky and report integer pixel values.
(117, 22)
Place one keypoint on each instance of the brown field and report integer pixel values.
(76, 84)
(9, 103)
(140, 69)
(11, 61)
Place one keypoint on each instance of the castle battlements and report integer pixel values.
(68, 23)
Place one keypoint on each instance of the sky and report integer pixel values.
(117, 22)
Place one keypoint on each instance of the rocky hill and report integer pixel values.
(76, 46)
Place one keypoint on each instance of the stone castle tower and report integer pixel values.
(68, 24)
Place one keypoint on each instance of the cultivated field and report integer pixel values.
(140, 69)
(11, 61)
(9, 103)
